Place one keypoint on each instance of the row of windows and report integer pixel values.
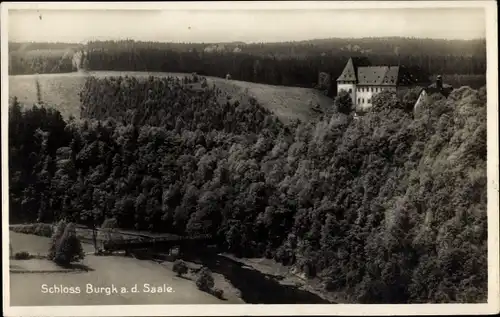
(362, 100)
(371, 89)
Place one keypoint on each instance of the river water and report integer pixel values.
(257, 287)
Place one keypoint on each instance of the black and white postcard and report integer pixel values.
(250, 158)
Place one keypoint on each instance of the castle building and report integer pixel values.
(363, 81)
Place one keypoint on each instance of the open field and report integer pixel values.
(43, 52)
(61, 90)
(35, 244)
(26, 289)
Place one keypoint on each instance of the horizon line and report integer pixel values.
(254, 42)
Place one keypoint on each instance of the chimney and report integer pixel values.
(439, 82)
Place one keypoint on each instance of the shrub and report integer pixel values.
(56, 236)
(205, 280)
(218, 293)
(39, 229)
(410, 98)
(109, 223)
(43, 229)
(180, 267)
(23, 255)
(69, 248)
(343, 102)
(308, 268)
(252, 101)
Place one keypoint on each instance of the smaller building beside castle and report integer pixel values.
(437, 88)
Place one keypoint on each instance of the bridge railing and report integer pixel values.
(159, 241)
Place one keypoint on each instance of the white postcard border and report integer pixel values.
(243, 309)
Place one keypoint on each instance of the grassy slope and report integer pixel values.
(62, 90)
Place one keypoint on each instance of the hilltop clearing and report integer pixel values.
(61, 90)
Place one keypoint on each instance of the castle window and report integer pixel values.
(350, 90)
(359, 100)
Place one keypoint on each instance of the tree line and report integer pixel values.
(389, 207)
(289, 64)
(39, 63)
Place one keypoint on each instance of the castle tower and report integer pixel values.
(347, 80)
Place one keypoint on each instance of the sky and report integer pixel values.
(242, 25)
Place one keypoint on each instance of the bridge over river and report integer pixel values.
(161, 242)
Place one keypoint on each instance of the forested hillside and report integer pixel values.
(171, 102)
(388, 208)
(288, 64)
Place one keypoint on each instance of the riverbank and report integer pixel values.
(255, 285)
(286, 276)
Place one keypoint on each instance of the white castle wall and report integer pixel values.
(350, 88)
(364, 94)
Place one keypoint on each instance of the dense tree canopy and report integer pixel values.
(390, 207)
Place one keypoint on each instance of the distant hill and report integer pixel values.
(24, 47)
(379, 45)
(285, 64)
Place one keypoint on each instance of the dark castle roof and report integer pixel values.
(379, 75)
(444, 90)
(349, 72)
